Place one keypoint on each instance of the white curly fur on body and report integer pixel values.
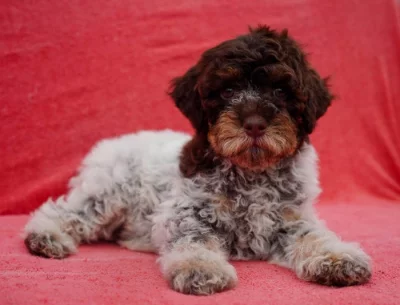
(130, 190)
(242, 187)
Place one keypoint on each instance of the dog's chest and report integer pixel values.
(247, 212)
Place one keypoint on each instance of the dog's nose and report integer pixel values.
(255, 126)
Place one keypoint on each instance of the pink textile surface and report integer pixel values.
(76, 71)
(107, 274)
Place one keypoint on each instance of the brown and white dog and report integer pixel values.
(242, 187)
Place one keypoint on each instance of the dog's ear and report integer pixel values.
(185, 94)
(319, 98)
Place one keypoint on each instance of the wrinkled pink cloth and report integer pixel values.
(76, 71)
(107, 274)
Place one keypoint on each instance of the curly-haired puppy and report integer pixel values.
(241, 188)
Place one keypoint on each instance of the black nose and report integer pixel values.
(255, 126)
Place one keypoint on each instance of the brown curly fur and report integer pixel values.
(262, 60)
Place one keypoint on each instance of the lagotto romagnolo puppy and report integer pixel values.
(242, 188)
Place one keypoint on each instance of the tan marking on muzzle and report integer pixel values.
(228, 139)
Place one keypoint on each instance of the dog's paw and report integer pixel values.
(48, 245)
(338, 270)
(200, 277)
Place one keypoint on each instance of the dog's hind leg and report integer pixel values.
(96, 207)
(112, 198)
(58, 227)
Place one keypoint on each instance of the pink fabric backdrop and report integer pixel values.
(73, 72)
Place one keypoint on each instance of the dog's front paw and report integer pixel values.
(337, 269)
(201, 277)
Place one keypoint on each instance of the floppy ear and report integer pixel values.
(186, 97)
(318, 99)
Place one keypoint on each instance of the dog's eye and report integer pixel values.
(279, 93)
(227, 93)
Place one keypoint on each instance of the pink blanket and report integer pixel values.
(75, 71)
(107, 274)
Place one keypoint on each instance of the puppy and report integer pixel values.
(242, 188)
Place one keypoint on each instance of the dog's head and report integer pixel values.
(255, 98)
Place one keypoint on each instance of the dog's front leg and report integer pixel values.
(197, 265)
(318, 255)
